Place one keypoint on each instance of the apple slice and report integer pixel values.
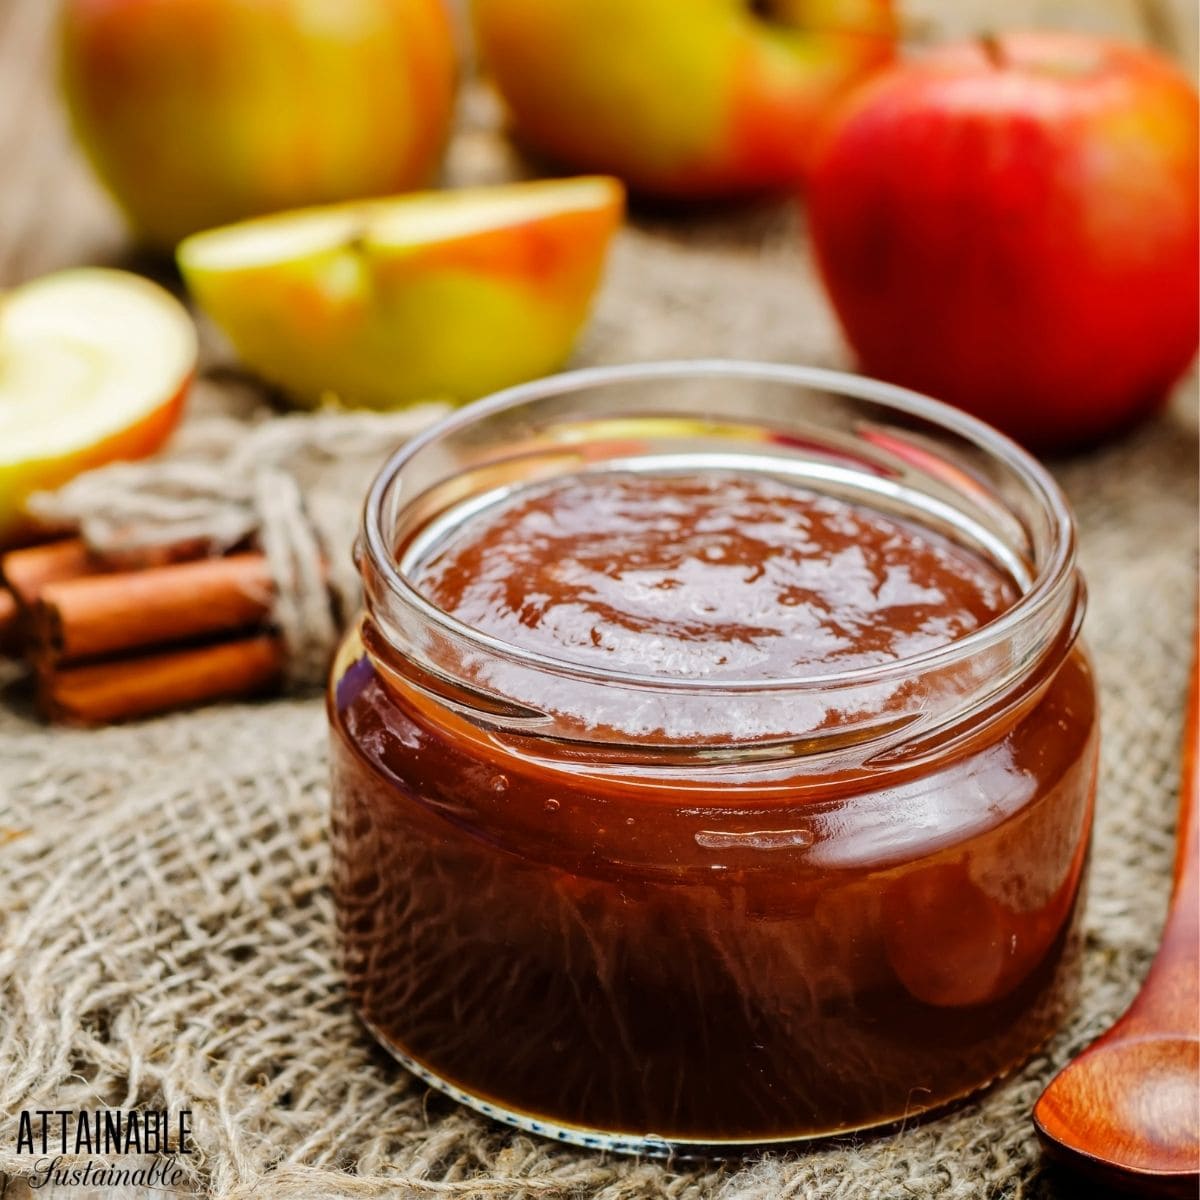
(437, 295)
(94, 366)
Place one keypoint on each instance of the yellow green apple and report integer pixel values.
(94, 366)
(687, 98)
(435, 295)
(199, 112)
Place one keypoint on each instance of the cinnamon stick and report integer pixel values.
(29, 570)
(9, 612)
(97, 615)
(137, 687)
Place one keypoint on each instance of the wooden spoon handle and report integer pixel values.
(1126, 1112)
(1169, 1001)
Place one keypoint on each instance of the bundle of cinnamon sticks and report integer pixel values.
(107, 643)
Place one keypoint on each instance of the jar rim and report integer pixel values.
(1056, 572)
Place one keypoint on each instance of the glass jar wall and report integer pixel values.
(713, 764)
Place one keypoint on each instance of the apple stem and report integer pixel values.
(993, 49)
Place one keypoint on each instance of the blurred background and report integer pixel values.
(53, 214)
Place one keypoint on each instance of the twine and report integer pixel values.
(291, 484)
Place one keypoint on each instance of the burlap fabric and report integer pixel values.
(166, 934)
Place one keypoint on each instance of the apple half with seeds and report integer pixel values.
(435, 295)
(94, 366)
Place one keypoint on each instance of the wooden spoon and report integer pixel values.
(1126, 1112)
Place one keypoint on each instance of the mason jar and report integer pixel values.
(645, 900)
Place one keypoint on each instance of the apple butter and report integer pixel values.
(695, 802)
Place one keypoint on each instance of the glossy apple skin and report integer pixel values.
(196, 113)
(374, 326)
(1015, 231)
(686, 99)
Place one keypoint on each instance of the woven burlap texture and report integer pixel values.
(166, 933)
(168, 936)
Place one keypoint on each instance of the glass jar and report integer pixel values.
(651, 912)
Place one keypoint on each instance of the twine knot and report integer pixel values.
(293, 485)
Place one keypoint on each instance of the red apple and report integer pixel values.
(1011, 225)
(681, 98)
(199, 112)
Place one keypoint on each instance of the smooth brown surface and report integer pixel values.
(711, 575)
(113, 613)
(1127, 1111)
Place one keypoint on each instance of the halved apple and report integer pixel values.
(436, 295)
(94, 366)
